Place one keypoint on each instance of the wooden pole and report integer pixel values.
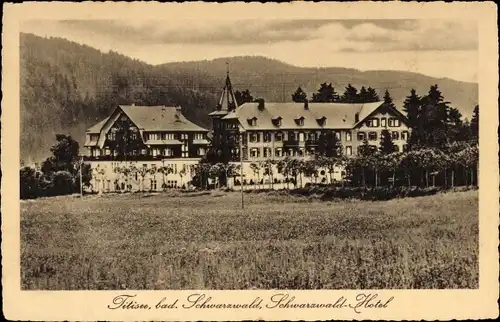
(241, 170)
(81, 178)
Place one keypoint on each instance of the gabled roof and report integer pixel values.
(154, 118)
(159, 118)
(96, 129)
(338, 115)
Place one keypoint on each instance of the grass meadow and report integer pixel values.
(205, 241)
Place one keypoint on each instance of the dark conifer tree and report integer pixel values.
(364, 95)
(328, 145)
(365, 149)
(350, 94)
(386, 144)
(326, 94)
(372, 95)
(388, 99)
(474, 124)
(243, 97)
(411, 107)
(299, 95)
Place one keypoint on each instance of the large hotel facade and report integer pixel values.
(147, 139)
(152, 137)
(277, 130)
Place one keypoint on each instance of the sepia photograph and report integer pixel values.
(287, 153)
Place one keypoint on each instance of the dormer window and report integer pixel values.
(252, 121)
(277, 121)
(321, 121)
(300, 121)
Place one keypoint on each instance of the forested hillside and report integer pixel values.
(275, 80)
(67, 87)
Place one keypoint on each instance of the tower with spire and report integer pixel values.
(227, 101)
(226, 104)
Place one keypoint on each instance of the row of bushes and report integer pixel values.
(35, 184)
(331, 192)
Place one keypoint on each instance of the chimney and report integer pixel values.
(261, 104)
(306, 104)
(356, 117)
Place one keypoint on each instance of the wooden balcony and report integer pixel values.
(132, 158)
(312, 143)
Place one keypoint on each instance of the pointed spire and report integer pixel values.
(227, 100)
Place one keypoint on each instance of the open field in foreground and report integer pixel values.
(205, 241)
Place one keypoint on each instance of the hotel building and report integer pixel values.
(271, 130)
(147, 138)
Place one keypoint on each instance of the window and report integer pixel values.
(199, 136)
(168, 136)
(201, 151)
(156, 152)
(337, 136)
(267, 152)
(143, 152)
(394, 122)
(322, 121)
(254, 137)
(278, 152)
(372, 136)
(153, 184)
(348, 136)
(301, 137)
(348, 150)
(277, 121)
(372, 122)
(291, 136)
(310, 136)
(383, 122)
(111, 136)
(404, 135)
(266, 137)
(133, 136)
(153, 136)
(395, 135)
(361, 136)
(252, 121)
(301, 152)
(167, 152)
(185, 154)
(107, 151)
(300, 121)
(254, 152)
(278, 137)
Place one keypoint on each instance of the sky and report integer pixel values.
(434, 47)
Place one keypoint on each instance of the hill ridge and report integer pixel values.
(66, 87)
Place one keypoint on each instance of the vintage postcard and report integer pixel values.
(249, 161)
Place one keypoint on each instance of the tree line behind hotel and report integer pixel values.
(439, 150)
